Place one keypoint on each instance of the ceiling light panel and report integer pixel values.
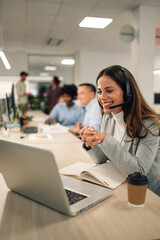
(68, 61)
(94, 22)
(50, 68)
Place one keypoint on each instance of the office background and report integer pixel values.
(36, 33)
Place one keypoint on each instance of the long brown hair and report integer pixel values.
(137, 110)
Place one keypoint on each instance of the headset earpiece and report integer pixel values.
(127, 95)
(128, 92)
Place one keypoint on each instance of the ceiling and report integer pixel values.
(29, 24)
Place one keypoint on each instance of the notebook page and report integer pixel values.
(76, 169)
(88, 177)
(109, 174)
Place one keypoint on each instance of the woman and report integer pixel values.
(53, 94)
(67, 112)
(130, 129)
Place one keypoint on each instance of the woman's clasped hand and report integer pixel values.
(92, 137)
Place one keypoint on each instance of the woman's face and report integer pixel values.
(109, 94)
(67, 98)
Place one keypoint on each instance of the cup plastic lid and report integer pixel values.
(137, 178)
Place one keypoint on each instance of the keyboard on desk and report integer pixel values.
(74, 197)
(30, 130)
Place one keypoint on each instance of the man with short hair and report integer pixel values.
(92, 114)
(21, 91)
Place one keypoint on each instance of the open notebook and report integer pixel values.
(105, 174)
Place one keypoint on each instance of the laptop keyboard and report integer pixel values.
(74, 197)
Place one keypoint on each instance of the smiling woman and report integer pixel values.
(130, 129)
(109, 94)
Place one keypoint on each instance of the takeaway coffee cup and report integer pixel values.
(137, 186)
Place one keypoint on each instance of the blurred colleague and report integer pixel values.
(67, 112)
(53, 94)
(21, 91)
(92, 112)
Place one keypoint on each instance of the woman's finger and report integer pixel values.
(83, 138)
(92, 138)
(87, 134)
(91, 129)
(82, 131)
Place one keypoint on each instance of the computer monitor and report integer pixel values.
(157, 98)
(13, 99)
(7, 104)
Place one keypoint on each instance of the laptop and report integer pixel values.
(32, 172)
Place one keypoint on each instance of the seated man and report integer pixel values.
(92, 115)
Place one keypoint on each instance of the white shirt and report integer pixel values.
(21, 90)
(120, 126)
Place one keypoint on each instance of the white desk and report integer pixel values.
(112, 219)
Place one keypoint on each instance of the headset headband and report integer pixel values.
(127, 81)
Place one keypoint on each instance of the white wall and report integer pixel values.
(157, 83)
(89, 64)
(18, 62)
(157, 77)
(142, 50)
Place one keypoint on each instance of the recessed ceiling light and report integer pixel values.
(155, 72)
(94, 22)
(68, 61)
(50, 68)
(44, 74)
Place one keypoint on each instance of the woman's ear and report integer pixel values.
(92, 94)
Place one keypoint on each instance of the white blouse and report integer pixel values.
(120, 126)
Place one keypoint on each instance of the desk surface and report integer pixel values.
(39, 117)
(23, 219)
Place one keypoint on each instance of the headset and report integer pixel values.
(128, 92)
